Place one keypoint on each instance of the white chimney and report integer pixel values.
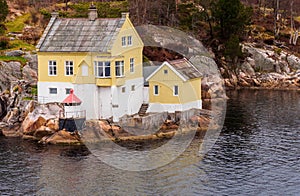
(93, 15)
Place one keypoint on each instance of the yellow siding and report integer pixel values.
(60, 58)
(189, 91)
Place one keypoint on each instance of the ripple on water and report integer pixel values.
(257, 153)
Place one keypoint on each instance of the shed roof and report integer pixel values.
(186, 68)
(182, 67)
(80, 34)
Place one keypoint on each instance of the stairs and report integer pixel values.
(143, 109)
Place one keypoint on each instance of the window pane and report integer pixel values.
(175, 90)
(156, 89)
(131, 64)
(53, 90)
(129, 41)
(123, 41)
(68, 91)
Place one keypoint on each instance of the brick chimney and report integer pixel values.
(93, 15)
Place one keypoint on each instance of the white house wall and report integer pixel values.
(171, 108)
(87, 93)
(128, 102)
(146, 94)
(99, 102)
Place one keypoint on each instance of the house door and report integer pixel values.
(105, 107)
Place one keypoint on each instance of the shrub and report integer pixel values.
(4, 42)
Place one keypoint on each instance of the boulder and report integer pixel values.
(14, 53)
(62, 137)
(42, 132)
(264, 59)
(40, 116)
(29, 74)
(30, 125)
(247, 68)
(293, 61)
(53, 124)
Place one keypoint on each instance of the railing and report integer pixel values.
(73, 114)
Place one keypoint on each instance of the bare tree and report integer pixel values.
(294, 31)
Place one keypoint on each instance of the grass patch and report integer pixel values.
(13, 58)
(17, 44)
(18, 24)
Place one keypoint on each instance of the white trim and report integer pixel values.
(158, 107)
(133, 68)
(124, 42)
(52, 65)
(69, 67)
(171, 67)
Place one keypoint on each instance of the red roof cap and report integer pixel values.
(72, 98)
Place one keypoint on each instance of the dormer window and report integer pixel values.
(124, 41)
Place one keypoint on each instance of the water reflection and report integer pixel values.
(257, 153)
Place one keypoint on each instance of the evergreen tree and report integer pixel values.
(3, 10)
(231, 16)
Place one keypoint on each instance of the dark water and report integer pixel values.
(257, 153)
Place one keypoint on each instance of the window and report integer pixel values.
(156, 90)
(52, 68)
(53, 90)
(165, 71)
(132, 87)
(123, 89)
(102, 69)
(69, 68)
(123, 41)
(68, 91)
(119, 68)
(175, 90)
(131, 65)
(129, 40)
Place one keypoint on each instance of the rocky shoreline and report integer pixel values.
(265, 67)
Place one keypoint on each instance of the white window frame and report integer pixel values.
(53, 88)
(154, 90)
(102, 69)
(119, 68)
(131, 65)
(69, 68)
(123, 41)
(129, 40)
(52, 68)
(175, 90)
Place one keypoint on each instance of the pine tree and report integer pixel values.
(3, 10)
(231, 16)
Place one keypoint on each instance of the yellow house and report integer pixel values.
(100, 58)
(174, 86)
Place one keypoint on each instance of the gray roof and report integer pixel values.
(147, 71)
(185, 68)
(80, 35)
